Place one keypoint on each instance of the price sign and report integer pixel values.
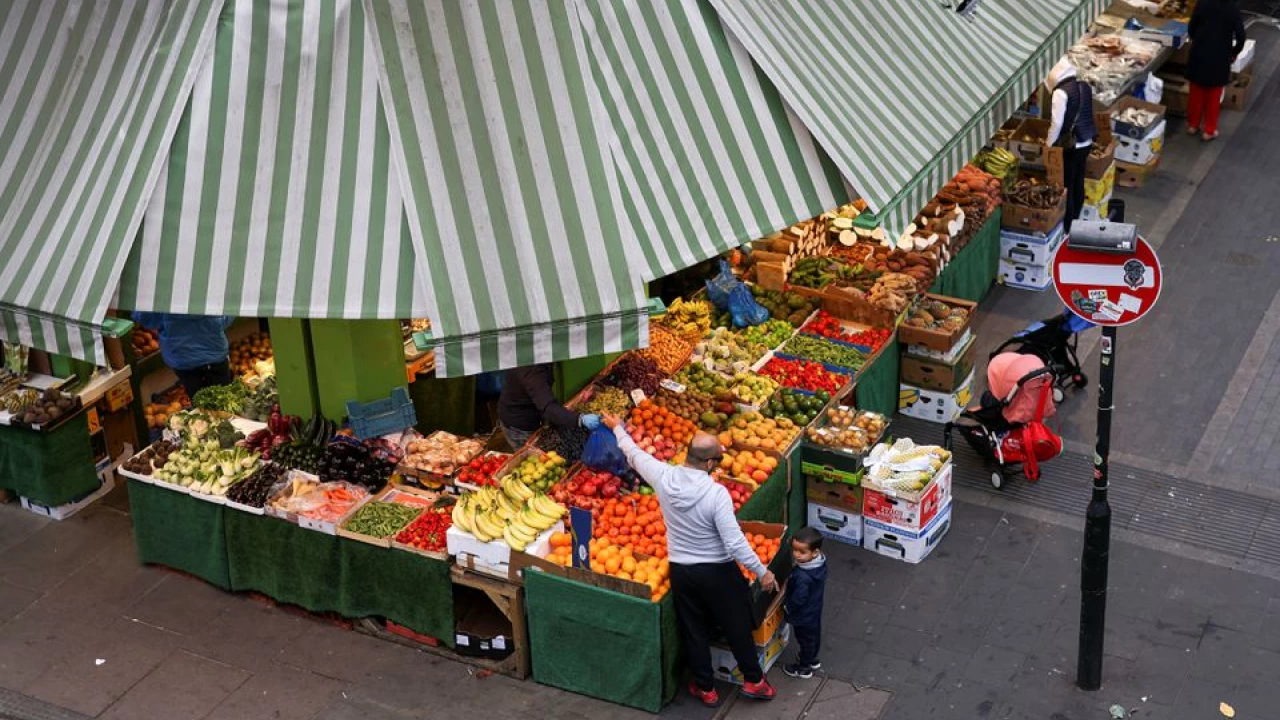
(673, 386)
(637, 396)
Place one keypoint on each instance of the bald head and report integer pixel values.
(704, 448)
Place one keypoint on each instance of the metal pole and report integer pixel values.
(1097, 532)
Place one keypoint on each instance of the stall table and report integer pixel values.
(173, 529)
(52, 468)
(972, 271)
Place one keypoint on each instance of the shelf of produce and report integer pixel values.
(327, 573)
(178, 531)
(509, 598)
(581, 635)
(769, 501)
(52, 468)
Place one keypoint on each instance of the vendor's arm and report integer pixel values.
(1057, 114)
(731, 535)
(549, 408)
(651, 469)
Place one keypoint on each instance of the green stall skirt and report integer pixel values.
(769, 502)
(972, 271)
(877, 388)
(181, 532)
(52, 468)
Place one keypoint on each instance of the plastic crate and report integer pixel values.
(382, 417)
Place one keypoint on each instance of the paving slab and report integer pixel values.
(280, 693)
(112, 583)
(184, 687)
(37, 639)
(17, 524)
(247, 636)
(793, 698)
(14, 599)
(52, 553)
(181, 604)
(841, 701)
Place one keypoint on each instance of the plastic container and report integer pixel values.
(382, 417)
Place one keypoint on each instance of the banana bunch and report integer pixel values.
(19, 400)
(691, 319)
(514, 514)
(997, 161)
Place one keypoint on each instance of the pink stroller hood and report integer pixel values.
(1003, 373)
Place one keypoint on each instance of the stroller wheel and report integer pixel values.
(997, 479)
(1058, 395)
(1080, 380)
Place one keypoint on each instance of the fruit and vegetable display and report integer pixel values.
(202, 466)
(651, 571)
(998, 162)
(666, 350)
(440, 453)
(46, 409)
(150, 459)
(307, 497)
(244, 353)
(351, 461)
(754, 431)
(635, 372)
(739, 493)
(10, 379)
(222, 398)
(1036, 194)
(537, 472)
(381, 519)
(633, 522)
(765, 548)
(803, 374)
(659, 431)
(157, 414)
(697, 379)
(261, 401)
(144, 341)
(818, 272)
(428, 531)
(799, 407)
(753, 389)
(753, 465)
(934, 314)
(480, 471)
(586, 488)
(811, 347)
(893, 292)
(770, 333)
(707, 413)
(567, 442)
(605, 400)
(254, 490)
(828, 326)
(18, 400)
(788, 306)
(724, 351)
(903, 466)
(513, 514)
(845, 428)
(689, 319)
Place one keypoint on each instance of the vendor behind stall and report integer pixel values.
(1072, 128)
(527, 402)
(194, 346)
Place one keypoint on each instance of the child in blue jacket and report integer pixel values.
(804, 601)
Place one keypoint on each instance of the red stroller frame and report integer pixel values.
(1005, 445)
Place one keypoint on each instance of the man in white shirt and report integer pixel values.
(1071, 127)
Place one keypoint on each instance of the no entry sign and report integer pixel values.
(1107, 288)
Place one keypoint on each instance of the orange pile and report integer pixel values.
(765, 549)
(620, 562)
(634, 521)
(658, 420)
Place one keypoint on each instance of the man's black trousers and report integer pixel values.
(708, 596)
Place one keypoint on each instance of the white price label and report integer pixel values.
(637, 396)
(673, 386)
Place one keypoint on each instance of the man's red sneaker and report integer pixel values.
(759, 691)
(710, 698)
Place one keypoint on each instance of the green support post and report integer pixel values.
(295, 371)
(573, 375)
(361, 360)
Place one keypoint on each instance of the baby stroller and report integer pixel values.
(1054, 341)
(1007, 428)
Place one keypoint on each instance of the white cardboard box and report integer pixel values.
(836, 524)
(1025, 277)
(494, 556)
(888, 507)
(900, 543)
(1030, 249)
(932, 405)
(725, 664)
(66, 510)
(1245, 58)
(946, 358)
(1096, 212)
(1141, 152)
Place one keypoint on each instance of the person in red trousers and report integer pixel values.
(1217, 37)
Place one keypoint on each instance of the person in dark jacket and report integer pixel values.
(194, 346)
(803, 604)
(1071, 127)
(527, 402)
(1217, 37)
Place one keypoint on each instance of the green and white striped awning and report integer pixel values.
(902, 93)
(90, 96)
(503, 153)
(708, 153)
(279, 198)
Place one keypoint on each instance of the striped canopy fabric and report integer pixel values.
(278, 198)
(90, 96)
(502, 148)
(708, 153)
(902, 93)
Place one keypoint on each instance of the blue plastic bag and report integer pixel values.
(603, 454)
(744, 308)
(718, 287)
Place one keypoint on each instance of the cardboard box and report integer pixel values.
(1144, 150)
(840, 495)
(1236, 95)
(1096, 190)
(940, 376)
(1011, 126)
(1029, 219)
(940, 340)
(1025, 277)
(494, 557)
(1244, 61)
(483, 631)
(1135, 176)
(949, 355)
(1176, 94)
(726, 666)
(911, 511)
(934, 406)
(1099, 211)
(1124, 128)
(910, 546)
(768, 626)
(843, 526)
(106, 478)
(1030, 249)
(1097, 167)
